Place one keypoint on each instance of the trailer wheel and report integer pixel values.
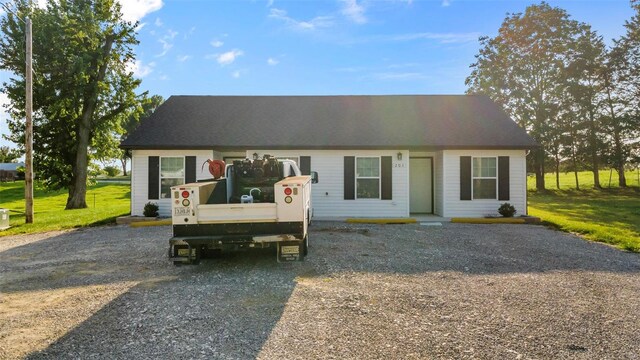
(305, 246)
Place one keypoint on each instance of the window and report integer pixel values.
(368, 178)
(171, 174)
(485, 178)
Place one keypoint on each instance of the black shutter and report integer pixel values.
(305, 165)
(385, 178)
(465, 177)
(503, 178)
(154, 178)
(349, 178)
(189, 169)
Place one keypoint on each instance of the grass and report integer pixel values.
(585, 178)
(610, 215)
(111, 201)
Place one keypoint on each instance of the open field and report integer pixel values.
(105, 201)
(608, 215)
(585, 179)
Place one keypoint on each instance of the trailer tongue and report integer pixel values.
(258, 204)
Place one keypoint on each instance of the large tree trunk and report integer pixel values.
(539, 167)
(78, 188)
(593, 139)
(124, 166)
(619, 159)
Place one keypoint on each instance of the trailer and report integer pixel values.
(257, 204)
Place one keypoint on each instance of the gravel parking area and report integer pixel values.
(365, 291)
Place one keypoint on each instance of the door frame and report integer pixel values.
(433, 184)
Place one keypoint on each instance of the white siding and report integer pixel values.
(454, 207)
(140, 176)
(328, 193)
(439, 184)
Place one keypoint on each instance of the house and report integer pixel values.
(376, 156)
(9, 171)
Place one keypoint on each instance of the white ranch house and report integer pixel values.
(376, 156)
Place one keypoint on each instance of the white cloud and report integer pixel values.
(272, 61)
(354, 11)
(140, 26)
(134, 10)
(226, 58)
(315, 23)
(158, 22)
(163, 77)
(269, 3)
(216, 43)
(166, 46)
(139, 69)
(236, 74)
(184, 58)
(170, 34)
(446, 3)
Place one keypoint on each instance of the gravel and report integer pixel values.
(365, 291)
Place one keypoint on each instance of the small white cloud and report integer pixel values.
(269, 3)
(354, 11)
(171, 34)
(216, 43)
(134, 10)
(140, 26)
(236, 74)
(313, 24)
(272, 61)
(163, 77)
(139, 69)
(166, 46)
(446, 3)
(158, 22)
(227, 58)
(184, 58)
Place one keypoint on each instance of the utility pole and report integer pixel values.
(28, 176)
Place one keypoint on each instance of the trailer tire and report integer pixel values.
(305, 246)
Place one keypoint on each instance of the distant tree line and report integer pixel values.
(577, 97)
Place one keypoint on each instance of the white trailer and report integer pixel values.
(207, 217)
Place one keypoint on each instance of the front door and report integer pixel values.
(420, 185)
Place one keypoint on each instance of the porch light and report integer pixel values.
(399, 156)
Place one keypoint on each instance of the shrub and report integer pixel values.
(507, 210)
(112, 170)
(150, 209)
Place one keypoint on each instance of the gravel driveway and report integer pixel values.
(365, 291)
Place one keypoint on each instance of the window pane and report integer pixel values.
(368, 188)
(172, 167)
(165, 187)
(484, 167)
(368, 167)
(488, 167)
(484, 188)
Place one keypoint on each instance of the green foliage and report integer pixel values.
(150, 209)
(111, 171)
(8, 155)
(507, 210)
(608, 215)
(111, 201)
(81, 89)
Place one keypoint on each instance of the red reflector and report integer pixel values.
(185, 194)
(287, 191)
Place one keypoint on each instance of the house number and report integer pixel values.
(398, 165)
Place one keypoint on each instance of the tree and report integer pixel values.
(522, 70)
(8, 155)
(110, 141)
(585, 89)
(81, 83)
(622, 88)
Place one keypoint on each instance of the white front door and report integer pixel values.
(420, 185)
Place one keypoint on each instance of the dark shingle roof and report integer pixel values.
(309, 122)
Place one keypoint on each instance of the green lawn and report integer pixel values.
(585, 178)
(111, 201)
(608, 215)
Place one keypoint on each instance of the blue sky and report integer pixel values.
(265, 47)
